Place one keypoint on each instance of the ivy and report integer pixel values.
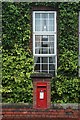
(18, 60)
(17, 57)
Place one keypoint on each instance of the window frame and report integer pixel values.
(54, 33)
(45, 33)
(43, 12)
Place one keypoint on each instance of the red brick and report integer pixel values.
(40, 115)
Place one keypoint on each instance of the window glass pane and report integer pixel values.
(44, 44)
(37, 25)
(51, 50)
(37, 44)
(37, 50)
(51, 38)
(37, 38)
(44, 59)
(44, 50)
(44, 38)
(37, 15)
(51, 67)
(37, 22)
(36, 59)
(51, 59)
(51, 22)
(37, 67)
(44, 66)
(44, 15)
(51, 27)
(51, 15)
(44, 22)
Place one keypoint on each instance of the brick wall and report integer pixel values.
(26, 112)
(41, 78)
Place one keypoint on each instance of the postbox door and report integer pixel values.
(41, 97)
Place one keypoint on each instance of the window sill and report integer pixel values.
(41, 75)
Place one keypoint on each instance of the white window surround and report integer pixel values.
(45, 33)
(79, 44)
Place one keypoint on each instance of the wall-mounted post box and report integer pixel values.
(41, 93)
(41, 90)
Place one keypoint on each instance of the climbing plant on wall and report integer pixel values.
(66, 86)
(18, 59)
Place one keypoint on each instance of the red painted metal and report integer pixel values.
(41, 92)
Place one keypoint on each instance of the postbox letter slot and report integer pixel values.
(41, 95)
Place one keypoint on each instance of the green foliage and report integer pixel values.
(17, 67)
(18, 59)
(68, 63)
(65, 87)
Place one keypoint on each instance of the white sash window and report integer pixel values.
(44, 41)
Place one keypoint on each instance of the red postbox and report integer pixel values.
(41, 93)
(41, 90)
